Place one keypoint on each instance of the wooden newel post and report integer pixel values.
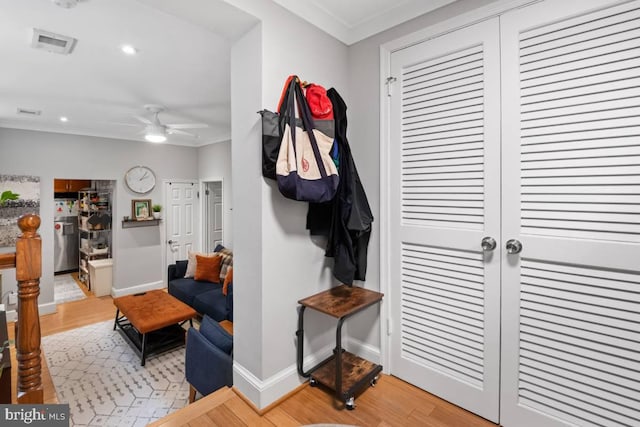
(28, 272)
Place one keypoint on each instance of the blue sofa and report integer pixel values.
(204, 297)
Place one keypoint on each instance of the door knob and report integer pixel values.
(514, 246)
(171, 242)
(488, 244)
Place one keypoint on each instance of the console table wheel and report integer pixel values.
(350, 404)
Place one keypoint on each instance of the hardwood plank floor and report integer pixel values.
(391, 403)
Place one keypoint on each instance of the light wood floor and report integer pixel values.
(391, 403)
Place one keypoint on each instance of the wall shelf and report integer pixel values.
(142, 223)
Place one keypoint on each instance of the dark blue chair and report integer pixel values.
(209, 358)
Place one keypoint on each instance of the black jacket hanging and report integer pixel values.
(346, 220)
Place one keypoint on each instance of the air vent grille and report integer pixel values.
(28, 112)
(52, 42)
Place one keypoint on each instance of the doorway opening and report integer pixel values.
(82, 238)
(213, 212)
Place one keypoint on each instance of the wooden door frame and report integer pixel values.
(386, 87)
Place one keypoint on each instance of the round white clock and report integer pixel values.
(140, 179)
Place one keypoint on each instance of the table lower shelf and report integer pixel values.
(158, 341)
(357, 373)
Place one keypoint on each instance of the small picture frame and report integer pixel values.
(141, 209)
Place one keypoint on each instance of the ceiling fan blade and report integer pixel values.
(171, 131)
(144, 120)
(187, 125)
(124, 124)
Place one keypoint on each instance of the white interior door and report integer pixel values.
(445, 198)
(214, 215)
(571, 196)
(180, 218)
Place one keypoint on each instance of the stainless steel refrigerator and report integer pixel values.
(65, 231)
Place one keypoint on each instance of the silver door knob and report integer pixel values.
(488, 244)
(514, 246)
(171, 242)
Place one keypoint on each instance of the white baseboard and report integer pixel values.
(264, 392)
(137, 289)
(48, 308)
(364, 350)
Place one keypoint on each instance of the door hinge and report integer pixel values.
(389, 81)
(197, 194)
(206, 192)
(389, 326)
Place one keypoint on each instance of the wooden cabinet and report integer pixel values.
(70, 185)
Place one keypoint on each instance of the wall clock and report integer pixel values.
(140, 179)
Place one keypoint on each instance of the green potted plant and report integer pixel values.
(8, 195)
(156, 211)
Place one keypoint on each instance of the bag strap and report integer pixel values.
(285, 92)
(307, 124)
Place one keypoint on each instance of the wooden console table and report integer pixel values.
(343, 372)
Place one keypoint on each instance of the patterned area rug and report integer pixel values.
(66, 289)
(95, 370)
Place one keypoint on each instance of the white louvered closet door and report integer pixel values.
(571, 195)
(445, 197)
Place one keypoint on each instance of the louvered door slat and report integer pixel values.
(582, 152)
(624, 199)
(590, 110)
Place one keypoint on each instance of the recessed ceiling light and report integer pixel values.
(64, 119)
(128, 49)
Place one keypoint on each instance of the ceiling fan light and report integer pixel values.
(156, 134)
(155, 138)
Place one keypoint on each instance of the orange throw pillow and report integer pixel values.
(227, 280)
(208, 268)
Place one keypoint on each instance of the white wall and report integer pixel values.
(137, 251)
(269, 232)
(214, 162)
(364, 137)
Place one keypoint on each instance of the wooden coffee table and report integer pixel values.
(152, 321)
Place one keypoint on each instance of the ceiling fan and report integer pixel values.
(156, 131)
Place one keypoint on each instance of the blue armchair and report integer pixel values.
(209, 358)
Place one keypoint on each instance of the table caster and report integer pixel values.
(350, 404)
(313, 383)
(374, 381)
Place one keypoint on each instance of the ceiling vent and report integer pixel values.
(52, 42)
(28, 112)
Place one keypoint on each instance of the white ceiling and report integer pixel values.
(353, 20)
(182, 63)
